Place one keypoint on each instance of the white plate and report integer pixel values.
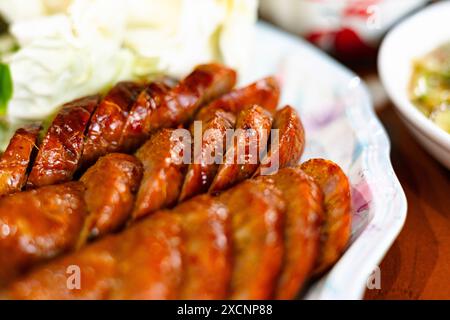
(341, 126)
(410, 40)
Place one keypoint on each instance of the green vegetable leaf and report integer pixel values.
(6, 87)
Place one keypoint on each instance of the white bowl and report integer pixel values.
(413, 38)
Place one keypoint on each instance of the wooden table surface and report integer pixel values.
(418, 264)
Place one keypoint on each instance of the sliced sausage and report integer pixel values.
(60, 151)
(143, 262)
(247, 145)
(265, 93)
(150, 264)
(137, 128)
(164, 167)
(304, 218)
(111, 185)
(337, 228)
(288, 145)
(204, 84)
(257, 212)
(39, 224)
(85, 274)
(16, 159)
(207, 249)
(203, 169)
(108, 121)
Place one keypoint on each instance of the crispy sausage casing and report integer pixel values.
(163, 159)
(60, 151)
(257, 214)
(337, 228)
(180, 104)
(304, 218)
(264, 93)
(16, 159)
(39, 224)
(138, 126)
(111, 185)
(248, 143)
(108, 121)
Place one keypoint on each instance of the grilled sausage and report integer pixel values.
(60, 151)
(264, 93)
(203, 169)
(336, 189)
(143, 262)
(204, 84)
(257, 212)
(39, 224)
(164, 167)
(108, 121)
(16, 159)
(304, 218)
(150, 264)
(207, 249)
(217, 117)
(137, 128)
(111, 185)
(242, 157)
(84, 274)
(290, 145)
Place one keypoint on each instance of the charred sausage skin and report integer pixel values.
(60, 151)
(138, 127)
(16, 159)
(180, 104)
(107, 123)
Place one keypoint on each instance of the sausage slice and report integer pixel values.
(290, 145)
(111, 185)
(150, 264)
(265, 93)
(257, 213)
(203, 169)
(16, 159)
(247, 145)
(337, 228)
(179, 105)
(60, 151)
(304, 218)
(39, 224)
(108, 121)
(137, 128)
(163, 159)
(207, 249)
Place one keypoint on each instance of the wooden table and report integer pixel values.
(418, 264)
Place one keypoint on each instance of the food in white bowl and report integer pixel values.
(402, 48)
